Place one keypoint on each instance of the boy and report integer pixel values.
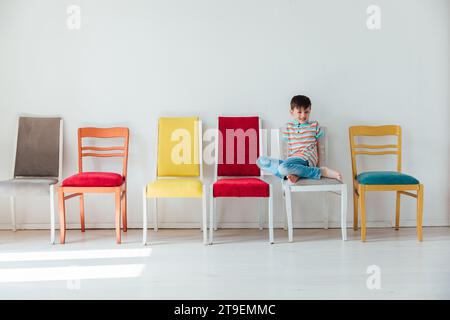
(301, 136)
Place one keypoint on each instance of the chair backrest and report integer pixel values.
(375, 149)
(239, 146)
(120, 151)
(281, 146)
(38, 148)
(179, 147)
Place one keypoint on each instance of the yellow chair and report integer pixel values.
(382, 180)
(179, 171)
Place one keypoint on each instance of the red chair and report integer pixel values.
(238, 146)
(97, 182)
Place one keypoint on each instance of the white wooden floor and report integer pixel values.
(240, 265)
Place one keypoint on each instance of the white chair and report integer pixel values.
(312, 185)
(37, 165)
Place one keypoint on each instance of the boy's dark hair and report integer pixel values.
(298, 102)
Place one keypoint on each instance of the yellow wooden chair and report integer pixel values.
(397, 181)
(179, 171)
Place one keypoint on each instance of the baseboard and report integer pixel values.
(228, 225)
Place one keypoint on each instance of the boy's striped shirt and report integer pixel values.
(302, 140)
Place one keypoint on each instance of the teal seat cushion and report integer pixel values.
(385, 177)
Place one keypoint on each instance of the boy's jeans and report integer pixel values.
(293, 165)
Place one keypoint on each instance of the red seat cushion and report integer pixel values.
(94, 179)
(241, 187)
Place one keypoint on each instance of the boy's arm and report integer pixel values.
(284, 133)
(318, 154)
(319, 134)
(319, 131)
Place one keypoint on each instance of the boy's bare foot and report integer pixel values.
(293, 178)
(329, 173)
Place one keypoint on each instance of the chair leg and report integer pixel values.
(204, 217)
(62, 217)
(420, 212)
(260, 213)
(285, 216)
(211, 215)
(82, 212)
(325, 209)
(355, 210)
(344, 212)
(52, 214)
(144, 217)
(13, 214)
(397, 211)
(362, 201)
(124, 211)
(118, 215)
(216, 221)
(289, 215)
(155, 214)
(271, 240)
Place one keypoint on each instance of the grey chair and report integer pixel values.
(37, 163)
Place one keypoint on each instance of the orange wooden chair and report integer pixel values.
(97, 182)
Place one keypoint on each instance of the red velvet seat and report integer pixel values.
(94, 179)
(241, 187)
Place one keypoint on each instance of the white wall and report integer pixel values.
(133, 61)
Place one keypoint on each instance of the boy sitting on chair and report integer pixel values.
(301, 136)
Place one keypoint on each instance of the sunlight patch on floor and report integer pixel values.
(74, 255)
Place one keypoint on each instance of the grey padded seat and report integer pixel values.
(315, 182)
(27, 186)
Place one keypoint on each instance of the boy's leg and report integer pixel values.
(299, 167)
(269, 164)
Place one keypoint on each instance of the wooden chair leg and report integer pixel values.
(62, 217)
(355, 210)
(419, 212)
(82, 212)
(362, 201)
(118, 216)
(397, 211)
(124, 211)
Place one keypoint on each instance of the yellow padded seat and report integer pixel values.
(175, 188)
(178, 147)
